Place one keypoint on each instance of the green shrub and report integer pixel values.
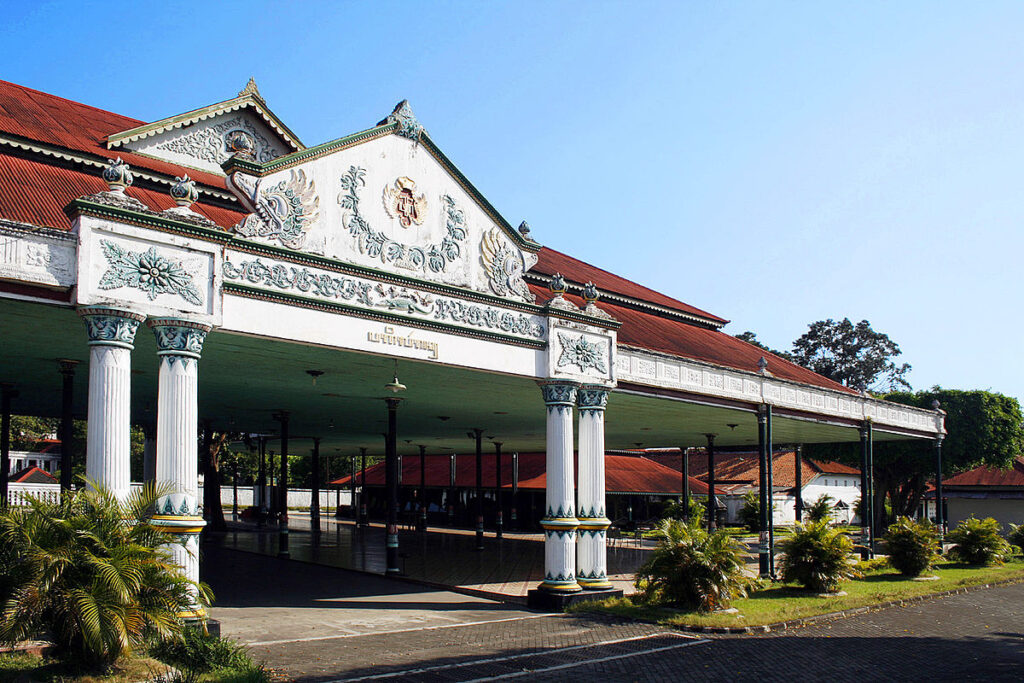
(750, 512)
(821, 509)
(196, 653)
(693, 568)
(674, 510)
(1016, 536)
(913, 546)
(978, 542)
(817, 556)
(90, 574)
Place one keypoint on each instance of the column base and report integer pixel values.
(546, 601)
(601, 584)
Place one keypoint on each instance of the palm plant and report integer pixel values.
(913, 546)
(1016, 536)
(693, 568)
(91, 574)
(821, 509)
(818, 557)
(978, 542)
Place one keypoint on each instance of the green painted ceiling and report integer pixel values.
(244, 380)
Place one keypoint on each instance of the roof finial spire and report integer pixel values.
(408, 125)
(251, 89)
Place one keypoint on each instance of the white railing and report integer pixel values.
(17, 494)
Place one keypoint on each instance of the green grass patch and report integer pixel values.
(24, 668)
(784, 602)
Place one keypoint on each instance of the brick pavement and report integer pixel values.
(441, 636)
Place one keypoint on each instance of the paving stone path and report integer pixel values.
(314, 623)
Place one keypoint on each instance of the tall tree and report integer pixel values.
(751, 338)
(984, 428)
(853, 355)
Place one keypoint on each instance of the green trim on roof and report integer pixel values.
(255, 168)
(148, 220)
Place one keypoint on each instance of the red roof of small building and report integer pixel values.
(33, 475)
(623, 474)
(743, 467)
(990, 476)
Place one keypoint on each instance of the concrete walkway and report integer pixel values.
(506, 569)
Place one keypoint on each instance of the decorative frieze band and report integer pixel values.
(659, 370)
(316, 283)
(37, 256)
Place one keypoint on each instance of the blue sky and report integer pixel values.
(773, 163)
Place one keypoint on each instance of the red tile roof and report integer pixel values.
(623, 474)
(742, 467)
(33, 475)
(990, 476)
(551, 262)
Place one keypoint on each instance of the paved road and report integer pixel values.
(315, 623)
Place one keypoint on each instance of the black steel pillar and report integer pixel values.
(763, 563)
(451, 490)
(478, 436)
(940, 514)
(391, 477)
(515, 490)
(421, 522)
(364, 512)
(499, 522)
(873, 521)
(314, 489)
(234, 489)
(261, 481)
(712, 501)
(798, 504)
(67, 424)
(865, 494)
(282, 488)
(684, 477)
(7, 393)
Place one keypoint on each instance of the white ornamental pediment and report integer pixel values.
(390, 203)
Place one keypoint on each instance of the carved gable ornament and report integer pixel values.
(428, 224)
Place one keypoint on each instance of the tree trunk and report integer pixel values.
(213, 443)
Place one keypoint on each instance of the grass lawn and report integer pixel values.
(784, 602)
(23, 667)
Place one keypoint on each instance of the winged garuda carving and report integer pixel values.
(285, 211)
(503, 266)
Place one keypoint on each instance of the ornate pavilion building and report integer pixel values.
(210, 266)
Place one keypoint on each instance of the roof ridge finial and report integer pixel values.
(408, 125)
(251, 89)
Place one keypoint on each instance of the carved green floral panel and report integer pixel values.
(147, 271)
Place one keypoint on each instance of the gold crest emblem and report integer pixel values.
(402, 202)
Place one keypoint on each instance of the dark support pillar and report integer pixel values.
(477, 435)
(684, 476)
(314, 489)
(865, 494)
(234, 489)
(7, 393)
(798, 506)
(352, 507)
(67, 426)
(391, 477)
(770, 510)
(364, 512)
(763, 564)
(497, 491)
(261, 481)
(515, 489)
(421, 524)
(940, 514)
(712, 501)
(875, 512)
(451, 490)
(282, 487)
(205, 457)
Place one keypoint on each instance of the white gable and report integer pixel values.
(207, 144)
(386, 204)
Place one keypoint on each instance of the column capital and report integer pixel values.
(110, 326)
(559, 392)
(67, 366)
(592, 397)
(178, 336)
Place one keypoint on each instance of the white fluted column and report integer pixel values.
(559, 521)
(108, 444)
(179, 345)
(592, 560)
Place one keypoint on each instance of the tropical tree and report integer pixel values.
(821, 509)
(91, 574)
(853, 355)
(752, 339)
(693, 568)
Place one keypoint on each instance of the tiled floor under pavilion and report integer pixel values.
(505, 570)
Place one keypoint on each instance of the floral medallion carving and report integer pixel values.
(581, 353)
(147, 271)
(373, 243)
(402, 203)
